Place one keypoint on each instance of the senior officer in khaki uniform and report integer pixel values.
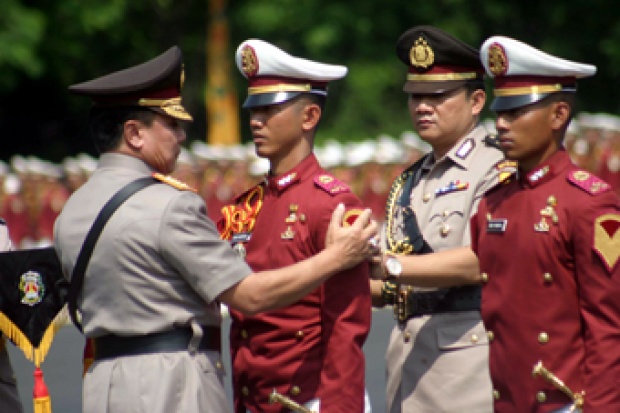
(151, 289)
(9, 397)
(437, 358)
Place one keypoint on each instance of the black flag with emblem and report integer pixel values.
(32, 297)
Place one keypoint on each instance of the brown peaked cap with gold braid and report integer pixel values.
(437, 61)
(155, 85)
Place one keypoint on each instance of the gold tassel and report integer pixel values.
(41, 397)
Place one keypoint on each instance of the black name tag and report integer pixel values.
(497, 225)
(241, 237)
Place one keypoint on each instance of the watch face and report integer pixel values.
(393, 266)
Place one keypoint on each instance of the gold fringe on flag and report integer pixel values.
(34, 354)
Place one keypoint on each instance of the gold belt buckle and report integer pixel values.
(401, 307)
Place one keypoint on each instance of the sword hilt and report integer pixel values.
(276, 397)
(542, 371)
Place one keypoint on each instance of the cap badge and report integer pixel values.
(421, 54)
(498, 61)
(249, 61)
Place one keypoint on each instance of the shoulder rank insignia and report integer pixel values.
(330, 184)
(588, 182)
(182, 186)
(350, 217)
(607, 239)
(465, 149)
(506, 169)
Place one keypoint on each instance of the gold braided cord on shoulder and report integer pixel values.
(402, 246)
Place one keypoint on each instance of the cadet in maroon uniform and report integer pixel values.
(310, 351)
(548, 246)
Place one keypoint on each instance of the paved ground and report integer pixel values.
(63, 369)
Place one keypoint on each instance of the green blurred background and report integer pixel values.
(46, 45)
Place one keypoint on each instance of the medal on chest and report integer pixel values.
(547, 213)
(293, 216)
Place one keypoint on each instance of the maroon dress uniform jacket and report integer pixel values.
(551, 287)
(312, 348)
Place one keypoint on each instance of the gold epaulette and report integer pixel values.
(182, 186)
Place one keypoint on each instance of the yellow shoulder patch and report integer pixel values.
(350, 216)
(607, 239)
(182, 186)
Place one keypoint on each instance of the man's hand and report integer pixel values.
(351, 242)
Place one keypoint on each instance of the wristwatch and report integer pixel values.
(393, 267)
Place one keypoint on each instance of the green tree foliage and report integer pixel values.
(47, 45)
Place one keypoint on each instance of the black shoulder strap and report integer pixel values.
(412, 228)
(415, 174)
(77, 277)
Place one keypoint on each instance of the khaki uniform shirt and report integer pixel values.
(159, 264)
(439, 362)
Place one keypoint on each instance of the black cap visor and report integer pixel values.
(503, 103)
(432, 88)
(266, 99)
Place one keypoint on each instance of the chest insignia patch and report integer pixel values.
(607, 239)
(182, 186)
(588, 182)
(239, 219)
(465, 148)
(330, 184)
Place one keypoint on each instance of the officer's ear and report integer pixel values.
(132, 135)
(478, 98)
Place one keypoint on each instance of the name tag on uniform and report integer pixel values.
(497, 225)
(241, 237)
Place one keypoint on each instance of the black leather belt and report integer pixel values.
(112, 346)
(414, 304)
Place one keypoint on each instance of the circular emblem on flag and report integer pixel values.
(421, 55)
(249, 61)
(498, 61)
(31, 288)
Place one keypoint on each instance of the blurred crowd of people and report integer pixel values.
(33, 191)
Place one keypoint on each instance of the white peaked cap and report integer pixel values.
(524, 75)
(275, 76)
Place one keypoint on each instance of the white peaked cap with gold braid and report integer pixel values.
(275, 76)
(524, 75)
